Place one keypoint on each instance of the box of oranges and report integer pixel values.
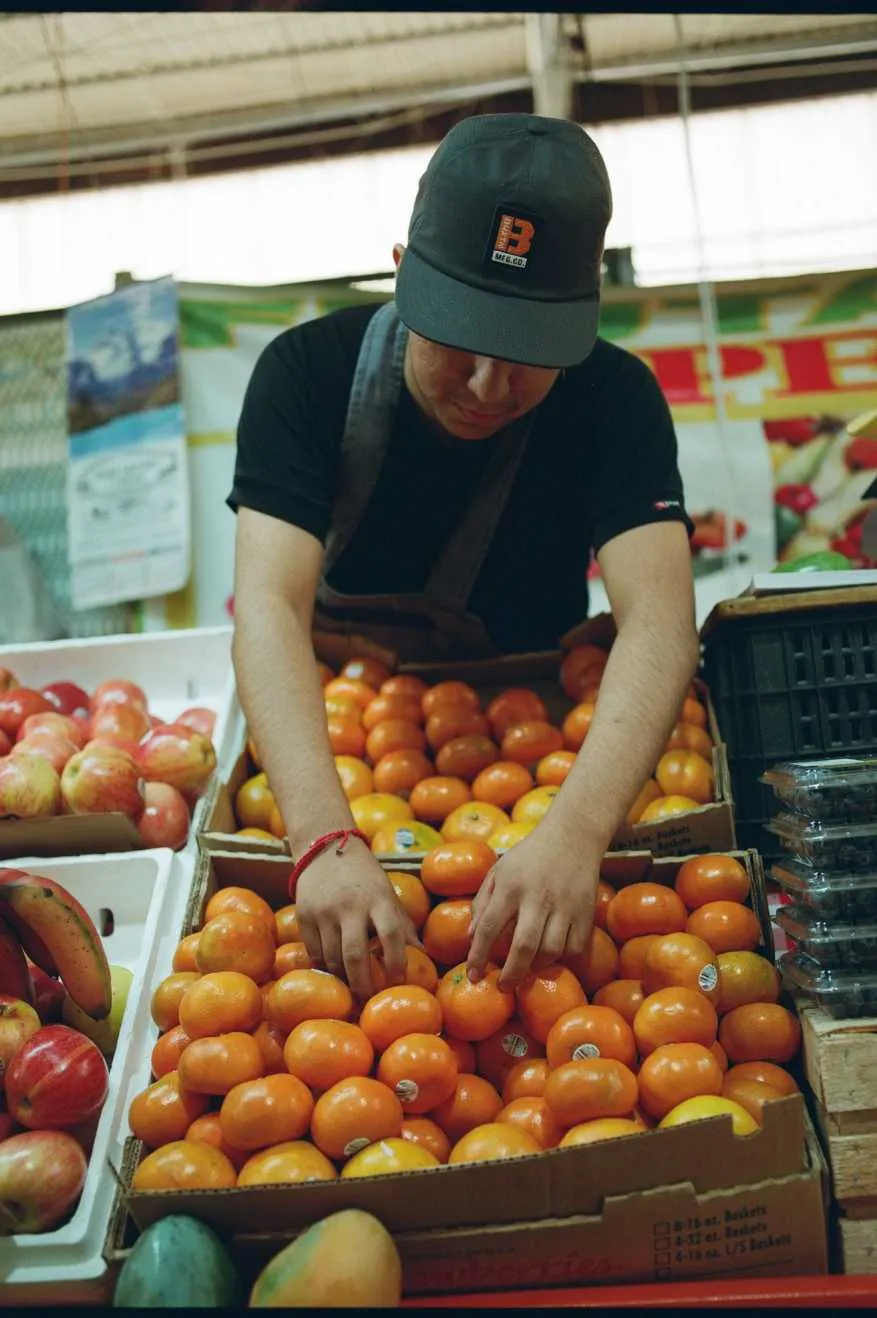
(658, 1058)
(480, 750)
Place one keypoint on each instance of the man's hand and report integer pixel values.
(338, 900)
(547, 888)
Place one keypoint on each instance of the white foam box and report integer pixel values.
(176, 669)
(146, 895)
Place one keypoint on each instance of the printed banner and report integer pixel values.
(127, 486)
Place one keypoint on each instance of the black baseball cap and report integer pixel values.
(506, 238)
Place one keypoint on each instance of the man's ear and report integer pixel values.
(398, 253)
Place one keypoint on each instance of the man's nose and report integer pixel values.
(489, 381)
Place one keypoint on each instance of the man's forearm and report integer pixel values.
(649, 670)
(282, 698)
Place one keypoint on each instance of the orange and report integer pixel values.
(270, 1039)
(667, 807)
(714, 878)
(632, 956)
(760, 1032)
(649, 793)
(377, 810)
(528, 743)
(356, 776)
(164, 1111)
(185, 1165)
(411, 895)
(494, 1142)
(425, 1132)
(681, 960)
(745, 977)
(219, 1004)
(398, 1010)
(475, 820)
(551, 771)
(526, 1079)
(577, 725)
(509, 835)
(474, 1011)
(768, 1073)
(720, 1055)
(590, 1032)
(473, 1102)
(264, 834)
(701, 1108)
(287, 1164)
(693, 712)
(421, 1070)
(690, 737)
(253, 801)
(499, 1054)
(323, 1052)
(674, 1015)
(383, 708)
(533, 1115)
(208, 1130)
(395, 734)
(445, 934)
(465, 757)
(502, 784)
(435, 797)
(545, 996)
(303, 995)
(354, 1113)
(449, 693)
(726, 926)
(346, 736)
(168, 1050)
(534, 806)
(237, 941)
(214, 1065)
(452, 721)
(597, 965)
(645, 908)
(583, 664)
(166, 999)
(286, 926)
(412, 837)
(751, 1095)
(675, 1072)
(271, 1110)
(342, 707)
(389, 1158)
(685, 773)
(398, 772)
(363, 668)
(226, 900)
(516, 705)
(604, 1128)
(457, 869)
(605, 893)
(591, 1088)
(291, 956)
(625, 996)
(184, 956)
(405, 684)
(465, 1055)
(358, 690)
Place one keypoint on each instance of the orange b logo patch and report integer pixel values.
(514, 237)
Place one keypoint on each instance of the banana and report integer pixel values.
(66, 932)
(15, 978)
(32, 944)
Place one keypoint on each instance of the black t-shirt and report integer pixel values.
(600, 460)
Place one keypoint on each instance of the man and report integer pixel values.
(435, 474)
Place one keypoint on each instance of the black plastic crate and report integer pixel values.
(795, 684)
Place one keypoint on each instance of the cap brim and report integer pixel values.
(513, 329)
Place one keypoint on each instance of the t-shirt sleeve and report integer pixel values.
(638, 481)
(285, 464)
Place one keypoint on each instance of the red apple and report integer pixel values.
(61, 725)
(115, 723)
(56, 1080)
(18, 1021)
(5, 744)
(8, 680)
(178, 756)
(41, 1177)
(29, 786)
(201, 719)
(57, 750)
(165, 819)
(118, 692)
(100, 779)
(16, 705)
(48, 996)
(66, 697)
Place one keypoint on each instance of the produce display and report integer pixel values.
(420, 764)
(844, 895)
(63, 751)
(834, 944)
(267, 1071)
(844, 994)
(53, 1076)
(828, 846)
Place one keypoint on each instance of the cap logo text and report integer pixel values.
(514, 237)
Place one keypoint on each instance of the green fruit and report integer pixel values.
(827, 560)
(104, 1033)
(178, 1263)
(788, 523)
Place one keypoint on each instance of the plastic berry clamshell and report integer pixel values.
(827, 846)
(834, 946)
(842, 790)
(844, 994)
(831, 895)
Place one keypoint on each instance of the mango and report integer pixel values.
(348, 1260)
(178, 1263)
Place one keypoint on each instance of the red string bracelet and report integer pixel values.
(340, 835)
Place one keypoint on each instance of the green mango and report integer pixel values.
(178, 1263)
(828, 560)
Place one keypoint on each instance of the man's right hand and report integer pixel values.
(338, 900)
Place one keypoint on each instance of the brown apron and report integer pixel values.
(433, 624)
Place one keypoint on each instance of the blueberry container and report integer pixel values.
(844, 994)
(827, 846)
(834, 946)
(841, 896)
(842, 790)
